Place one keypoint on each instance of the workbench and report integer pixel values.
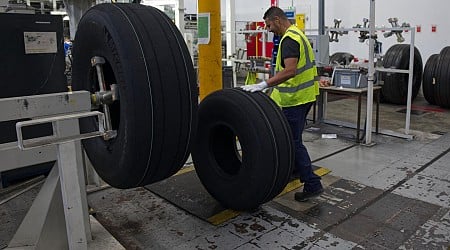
(359, 93)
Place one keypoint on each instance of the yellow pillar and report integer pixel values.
(209, 50)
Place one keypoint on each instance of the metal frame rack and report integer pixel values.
(372, 70)
(58, 218)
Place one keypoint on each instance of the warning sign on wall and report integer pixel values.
(40, 42)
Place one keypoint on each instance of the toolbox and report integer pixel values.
(349, 78)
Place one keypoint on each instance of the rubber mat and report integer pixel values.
(185, 191)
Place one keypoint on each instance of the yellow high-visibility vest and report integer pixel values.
(304, 87)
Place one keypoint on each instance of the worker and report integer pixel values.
(295, 88)
(67, 45)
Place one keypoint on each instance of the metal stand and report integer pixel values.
(359, 92)
(58, 218)
(372, 70)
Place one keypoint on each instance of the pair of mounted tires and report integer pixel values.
(157, 114)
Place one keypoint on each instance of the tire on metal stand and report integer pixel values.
(155, 117)
(395, 87)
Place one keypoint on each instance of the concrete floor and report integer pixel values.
(393, 195)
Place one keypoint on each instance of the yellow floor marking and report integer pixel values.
(185, 170)
(220, 217)
(322, 171)
(296, 183)
(291, 186)
(223, 216)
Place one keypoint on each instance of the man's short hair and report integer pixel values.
(274, 11)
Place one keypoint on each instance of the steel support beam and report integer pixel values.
(371, 74)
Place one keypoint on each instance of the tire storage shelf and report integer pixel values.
(413, 81)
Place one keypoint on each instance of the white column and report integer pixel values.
(410, 82)
(179, 15)
(75, 9)
(371, 74)
(230, 29)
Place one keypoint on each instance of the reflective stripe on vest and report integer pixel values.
(297, 88)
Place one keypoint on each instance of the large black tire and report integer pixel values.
(266, 142)
(442, 93)
(429, 79)
(341, 58)
(156, 116)
(395, 87)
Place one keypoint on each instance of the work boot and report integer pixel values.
(305, 196)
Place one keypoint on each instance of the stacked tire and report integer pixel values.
(442, 79)
(395, 87)
(429, 79)
(436, 79)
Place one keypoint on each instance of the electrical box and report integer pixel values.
(32, 63)
(321, 47)
(32, 55)
(349, 78)
(300, 20)
(32, 60)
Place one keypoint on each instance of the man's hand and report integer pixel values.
(255, 87)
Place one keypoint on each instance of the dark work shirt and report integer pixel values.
(289, 49)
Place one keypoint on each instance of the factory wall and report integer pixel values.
(351, 12)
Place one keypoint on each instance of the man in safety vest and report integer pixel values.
(295, 88)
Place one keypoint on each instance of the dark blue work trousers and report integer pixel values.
(296, 117)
